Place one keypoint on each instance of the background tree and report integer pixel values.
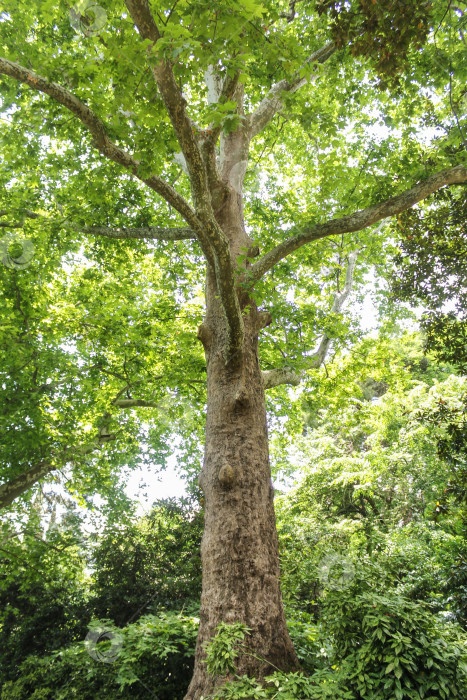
(105, 115)
(153, 563)
(55, 581)
(431, 269)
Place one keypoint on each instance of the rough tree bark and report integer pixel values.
(240, 555)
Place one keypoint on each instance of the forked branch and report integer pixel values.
(212, 234)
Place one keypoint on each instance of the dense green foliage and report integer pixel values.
(53, 584)
(101, 375)
(89, 320)
(373, 553)
(152, 563)
(430, 268)
(155, 658)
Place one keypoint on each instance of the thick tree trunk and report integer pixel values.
(240, 547)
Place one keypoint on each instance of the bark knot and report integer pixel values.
(241, 396)
(253, 251)
(204, 335)
(226, 476)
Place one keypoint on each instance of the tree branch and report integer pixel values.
(226, 93)
(102, 142)
(282, 375)
(11, 224)
(157, 233)
(133, 403)
(339, 300)
(26, 214)
(272, 103)
(151, 232)
(290, 15)
(358, 220)
(97, 129)
(14, 488)
(213, 83)
(285, 375)
(217, 92)
(174, 102)
(212, 235)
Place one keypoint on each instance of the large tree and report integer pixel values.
(139, 121)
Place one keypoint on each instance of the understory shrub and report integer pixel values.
(375, 648)
(391, 647)
(152, 657)
(367, 646)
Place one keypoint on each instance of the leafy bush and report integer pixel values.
(224, 648)
(155, 660)
(222, 652)
(383, 648)
(324, 685)
(455, 587)
(307, 640)
(390, 647)
(52, 585)
(43, 596)
(150, 564)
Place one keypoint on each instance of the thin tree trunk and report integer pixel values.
(240, 547)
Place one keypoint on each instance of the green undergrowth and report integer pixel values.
(366, 647)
